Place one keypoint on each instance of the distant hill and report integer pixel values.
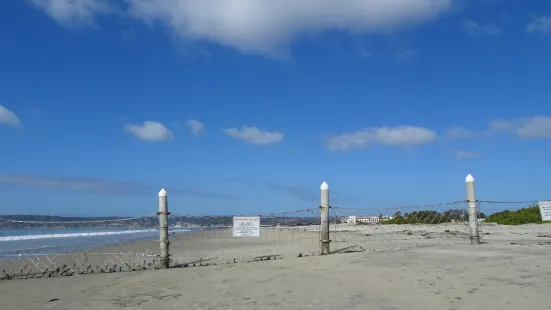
(26, 221)
(53, 218)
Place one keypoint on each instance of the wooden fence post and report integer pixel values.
(163, 228)
(324, 213)
(473, 214)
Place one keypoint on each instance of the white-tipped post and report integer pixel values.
(324, 214)
(473, 210)
(324, 194)
(163, 228)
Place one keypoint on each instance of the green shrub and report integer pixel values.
(428, 217)
(530, 215)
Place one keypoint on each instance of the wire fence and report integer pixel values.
(513, 222)
(35, 249)
(52, 247)
(396, 228)
(294, 233)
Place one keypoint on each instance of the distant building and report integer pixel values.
(355, 219)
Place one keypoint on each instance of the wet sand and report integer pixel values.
(215, 246)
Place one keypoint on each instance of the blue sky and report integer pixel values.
(246, 107)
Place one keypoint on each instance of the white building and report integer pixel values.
(355, 219)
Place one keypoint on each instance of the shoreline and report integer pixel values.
(215, 245)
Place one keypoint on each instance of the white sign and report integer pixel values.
(246, 226)
(545, 210)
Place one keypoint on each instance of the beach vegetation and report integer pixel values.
(529, 215)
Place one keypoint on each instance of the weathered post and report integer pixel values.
(163, 227)
(473, 216)
(324, 212)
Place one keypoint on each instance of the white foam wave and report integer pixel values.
(81, 234)
(31, 249)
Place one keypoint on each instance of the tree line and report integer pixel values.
(429, 217)
(529, 215)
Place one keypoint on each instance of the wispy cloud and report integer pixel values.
(466, 155)
(195, 127)
(405, 54)
(8, 117)
(536, 127)
(541, 25)
(303, 193)
(253, 135)
(202, 193)
(74, 13)
(400, 47)
(475, 29)
(128, 34)
(299, 192)
(100, 186)
(387, 136)
(263, 27)
(150, 131)
(459, 132)
(87, 185)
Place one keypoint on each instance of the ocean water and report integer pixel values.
(34, 242)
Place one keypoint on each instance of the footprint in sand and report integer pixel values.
(426, 284)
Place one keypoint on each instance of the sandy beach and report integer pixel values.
(488, 276)
(400, 267)
(216, 247)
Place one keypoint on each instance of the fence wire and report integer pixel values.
(294, 233)
(513, 222)
(36, 249)
(404, 227)
(62, 247)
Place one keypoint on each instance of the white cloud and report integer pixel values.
(195, 127)
(541, 25)
(464, 155)
(388, 136)
(253, 135)
(8, 118)
(73, 12)
(459, 132)
(150, 131)
(258, 26)
(476, 29)
(537, 127)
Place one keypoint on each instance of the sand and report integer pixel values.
(442, 277)
(219, 247)
(190, 248)
(396, 270)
